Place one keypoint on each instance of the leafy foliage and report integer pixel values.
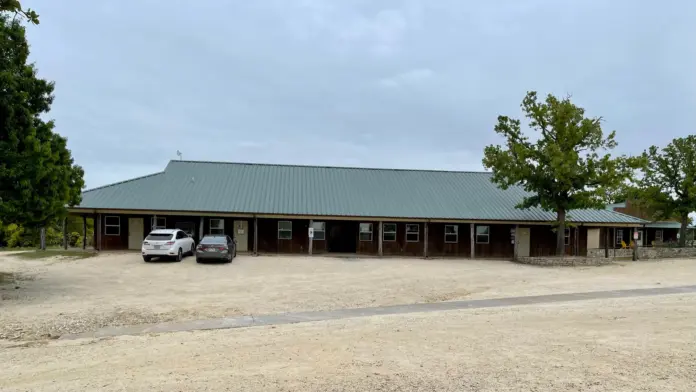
(566, 167)
(668, 186)
(38, 178)
(13, 6)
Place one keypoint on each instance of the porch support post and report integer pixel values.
(517, 241)
(606, 243)
(65, 233)
(613, 241)
(256, 236)
(472, 240)
(425, 240)
(98, 230)
(577, 241)
(84, 232)
(153, 222)
(311, 238)
(635, 244)
(201, 229)
(379, 239)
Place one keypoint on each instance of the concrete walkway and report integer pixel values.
(302, 317)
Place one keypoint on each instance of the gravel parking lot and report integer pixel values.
(637, 344)
(53, 297)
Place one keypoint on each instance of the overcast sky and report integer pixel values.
(393, 83)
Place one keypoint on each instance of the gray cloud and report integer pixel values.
(408, 84)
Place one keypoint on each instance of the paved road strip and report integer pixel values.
(323, 315)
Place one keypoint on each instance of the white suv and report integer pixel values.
(167, 243)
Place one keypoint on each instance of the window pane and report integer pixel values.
(451, 238)
(389, 236)
(482, 230)
(366, 227)
(285, 234)
(482, 239)
(412, 237)
(214, 240)
(451, 229)
(111, 230)
(284, 225)
(217, 231)
(217, 223)
(319, 235)
(111, 220)
(159, 223)
(390, 227)
(159, 237)
(365, 236)
(318, 226)
(412, 228)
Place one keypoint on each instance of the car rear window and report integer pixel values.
(159, 237)
(214, 240)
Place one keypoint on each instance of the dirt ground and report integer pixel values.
(54, 297)
(636, 344)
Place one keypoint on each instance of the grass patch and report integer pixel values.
(39, 254)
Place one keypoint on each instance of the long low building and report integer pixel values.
(271, 208)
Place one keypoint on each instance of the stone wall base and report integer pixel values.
(569, 261)
(645, 253)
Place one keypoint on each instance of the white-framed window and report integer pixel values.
(567, 236)
(451, 234)
(319, 230)
(112, 225)
(284, 230)
(659, 235)
(389, 234)
(619, 237)
(412, 232)
(217, 226)
(187, 227)
(483, 234)
(366, 232)
(159, 223)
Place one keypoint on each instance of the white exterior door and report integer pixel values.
(135, 233)
(241, 234)
(523, 235)
(640, 238)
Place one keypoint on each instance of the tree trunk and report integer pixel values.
(560, 233)
(42, 245)
(682, 230)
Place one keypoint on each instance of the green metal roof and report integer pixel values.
(327, 191)
(664, 225)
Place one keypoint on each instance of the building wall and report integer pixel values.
(500, 240)
(437, 247)
(543, 241)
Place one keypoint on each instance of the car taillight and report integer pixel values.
(199, 247)
(146, 243)
(170, 243)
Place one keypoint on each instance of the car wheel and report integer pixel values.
(180, 255)
(193, 246)
(198, 260)
(147, 258)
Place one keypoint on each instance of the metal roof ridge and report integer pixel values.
(328, 167)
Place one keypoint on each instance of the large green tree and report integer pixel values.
(38, 177)
(668, 186)
(565, 166)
